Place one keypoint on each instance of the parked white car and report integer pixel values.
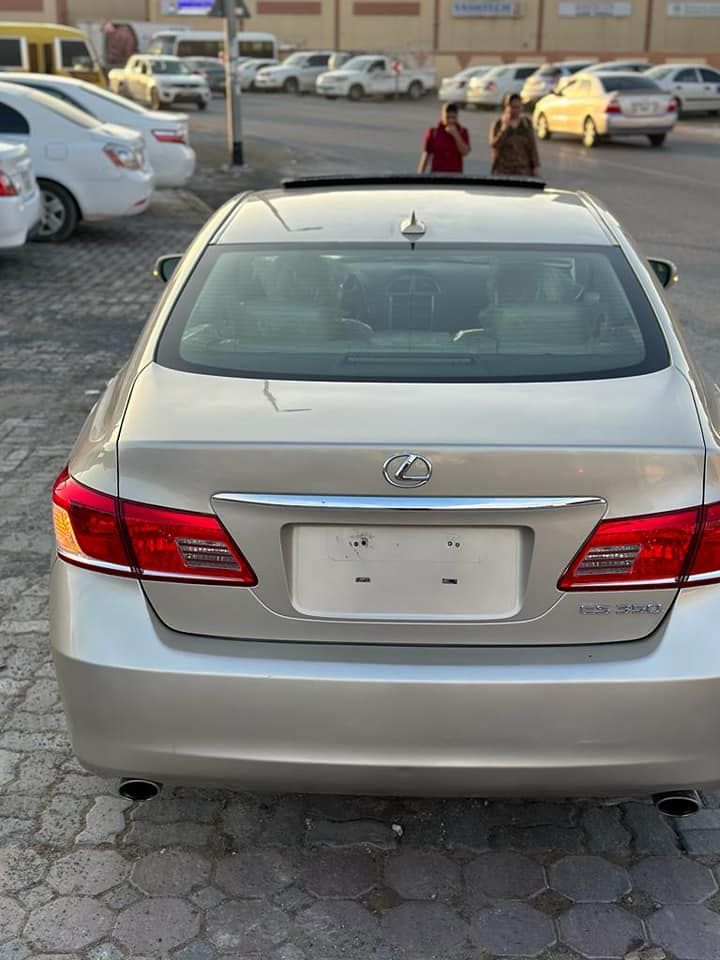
(491, 89)
(454, 89)
(248, 71)
(622, 66)
(165, 134)
(160, 81)
(547, 77)
(86, 170)
(694, 86)
(595, 106)
(297, 74)
(376, 75)
(20, 203)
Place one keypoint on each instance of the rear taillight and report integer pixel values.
(104, 533)
(121, 156)
(7, 187)
(490, 85)
(672, 106)
(613, 107)
(169, 136)
(660, 550)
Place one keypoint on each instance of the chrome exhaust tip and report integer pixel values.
(677, 803)
(133, 788)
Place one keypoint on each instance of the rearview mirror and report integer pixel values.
(165, 266)
(665, 271)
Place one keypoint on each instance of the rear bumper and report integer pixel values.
(143, 700)
(124, 196)
(173, 164)
(18, 216)
(619, 126)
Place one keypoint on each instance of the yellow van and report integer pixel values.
(49, 48)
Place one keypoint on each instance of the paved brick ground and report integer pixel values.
(199, 875)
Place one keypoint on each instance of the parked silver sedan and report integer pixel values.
(408, 487)
(547, 77)
(597, 106)
(455, 89)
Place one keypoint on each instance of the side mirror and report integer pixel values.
(665, 271)
(165, 266)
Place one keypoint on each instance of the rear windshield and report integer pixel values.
(635, 84)
(435, 314)
(169, 66)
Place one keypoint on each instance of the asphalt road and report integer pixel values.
(667, 198)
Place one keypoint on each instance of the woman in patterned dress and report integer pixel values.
(512, 138)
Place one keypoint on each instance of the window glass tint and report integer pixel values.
(97, 97)
(389, 313)
(169, 67)
(659, 73)
(11, 52)
(55, 92)
(71, 114)
(162, 44)
(710, 76)
(319, 60)
(256, 48)
(75, 53)
(524, 72)
(550, 70)
(195, 48)
(12, 121)
(686, 76)
(633, 84)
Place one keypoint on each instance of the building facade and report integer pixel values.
(454, 33)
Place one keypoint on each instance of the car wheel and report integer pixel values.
(59, 213)
(355, 92)
(542, 129)
(590, 135)
(657, 139)
(122, 90)
(679, 106)
(154, 99)
(202, 104)
(415, 90)
(291, 85)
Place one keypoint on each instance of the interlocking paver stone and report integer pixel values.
(652, 833)
(67, 924)
(105, 951)
(422, 876)
(589, 879)
(337, 929)
(15, 950)
(11, 918)
(158, 925)
(512, 927)
(20, 867)
(538, 838)
(502, 875)
(599, 930)
(689, 931)
(88, 872)
(199, 950)
(8, 763)
(105, 820)
(424, 929)
(170, 873)
(702, 842)
(257, 873)
(604, 830)
(344, 874)
(251, 927)
(674, 880)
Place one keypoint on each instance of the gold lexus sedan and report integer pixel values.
(598, 105)
(408, 487)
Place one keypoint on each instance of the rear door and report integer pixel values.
(382, 434)
(689, 88)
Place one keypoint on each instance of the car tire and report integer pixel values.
(679, 105)
(542, 128)
(356, 92)
(656, 139)
(590, 134)
(202, 104)
(60, 213)
(415, 90)
(291, 86)
(122, 90)
(154, 99)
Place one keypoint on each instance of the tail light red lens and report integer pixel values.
(169, 136)
(490, 85)
(613, 107)
(672, 106)
(7, 187)
(104, 533)
(660, 550)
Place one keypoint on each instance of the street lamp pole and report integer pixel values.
(232, 89)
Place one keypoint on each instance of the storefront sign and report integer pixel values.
(693, 9)
(487, 8)
(601, 8)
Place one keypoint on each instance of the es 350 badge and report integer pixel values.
(623, 609)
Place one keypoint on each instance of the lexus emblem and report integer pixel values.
(407, 470)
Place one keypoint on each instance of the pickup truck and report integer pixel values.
(375, 75)
(160, 81)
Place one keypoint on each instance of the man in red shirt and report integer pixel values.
(446, 145)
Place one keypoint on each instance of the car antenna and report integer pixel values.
(412, 229)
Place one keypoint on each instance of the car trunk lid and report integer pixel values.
(521, 475)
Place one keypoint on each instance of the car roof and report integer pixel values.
(462, 211)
